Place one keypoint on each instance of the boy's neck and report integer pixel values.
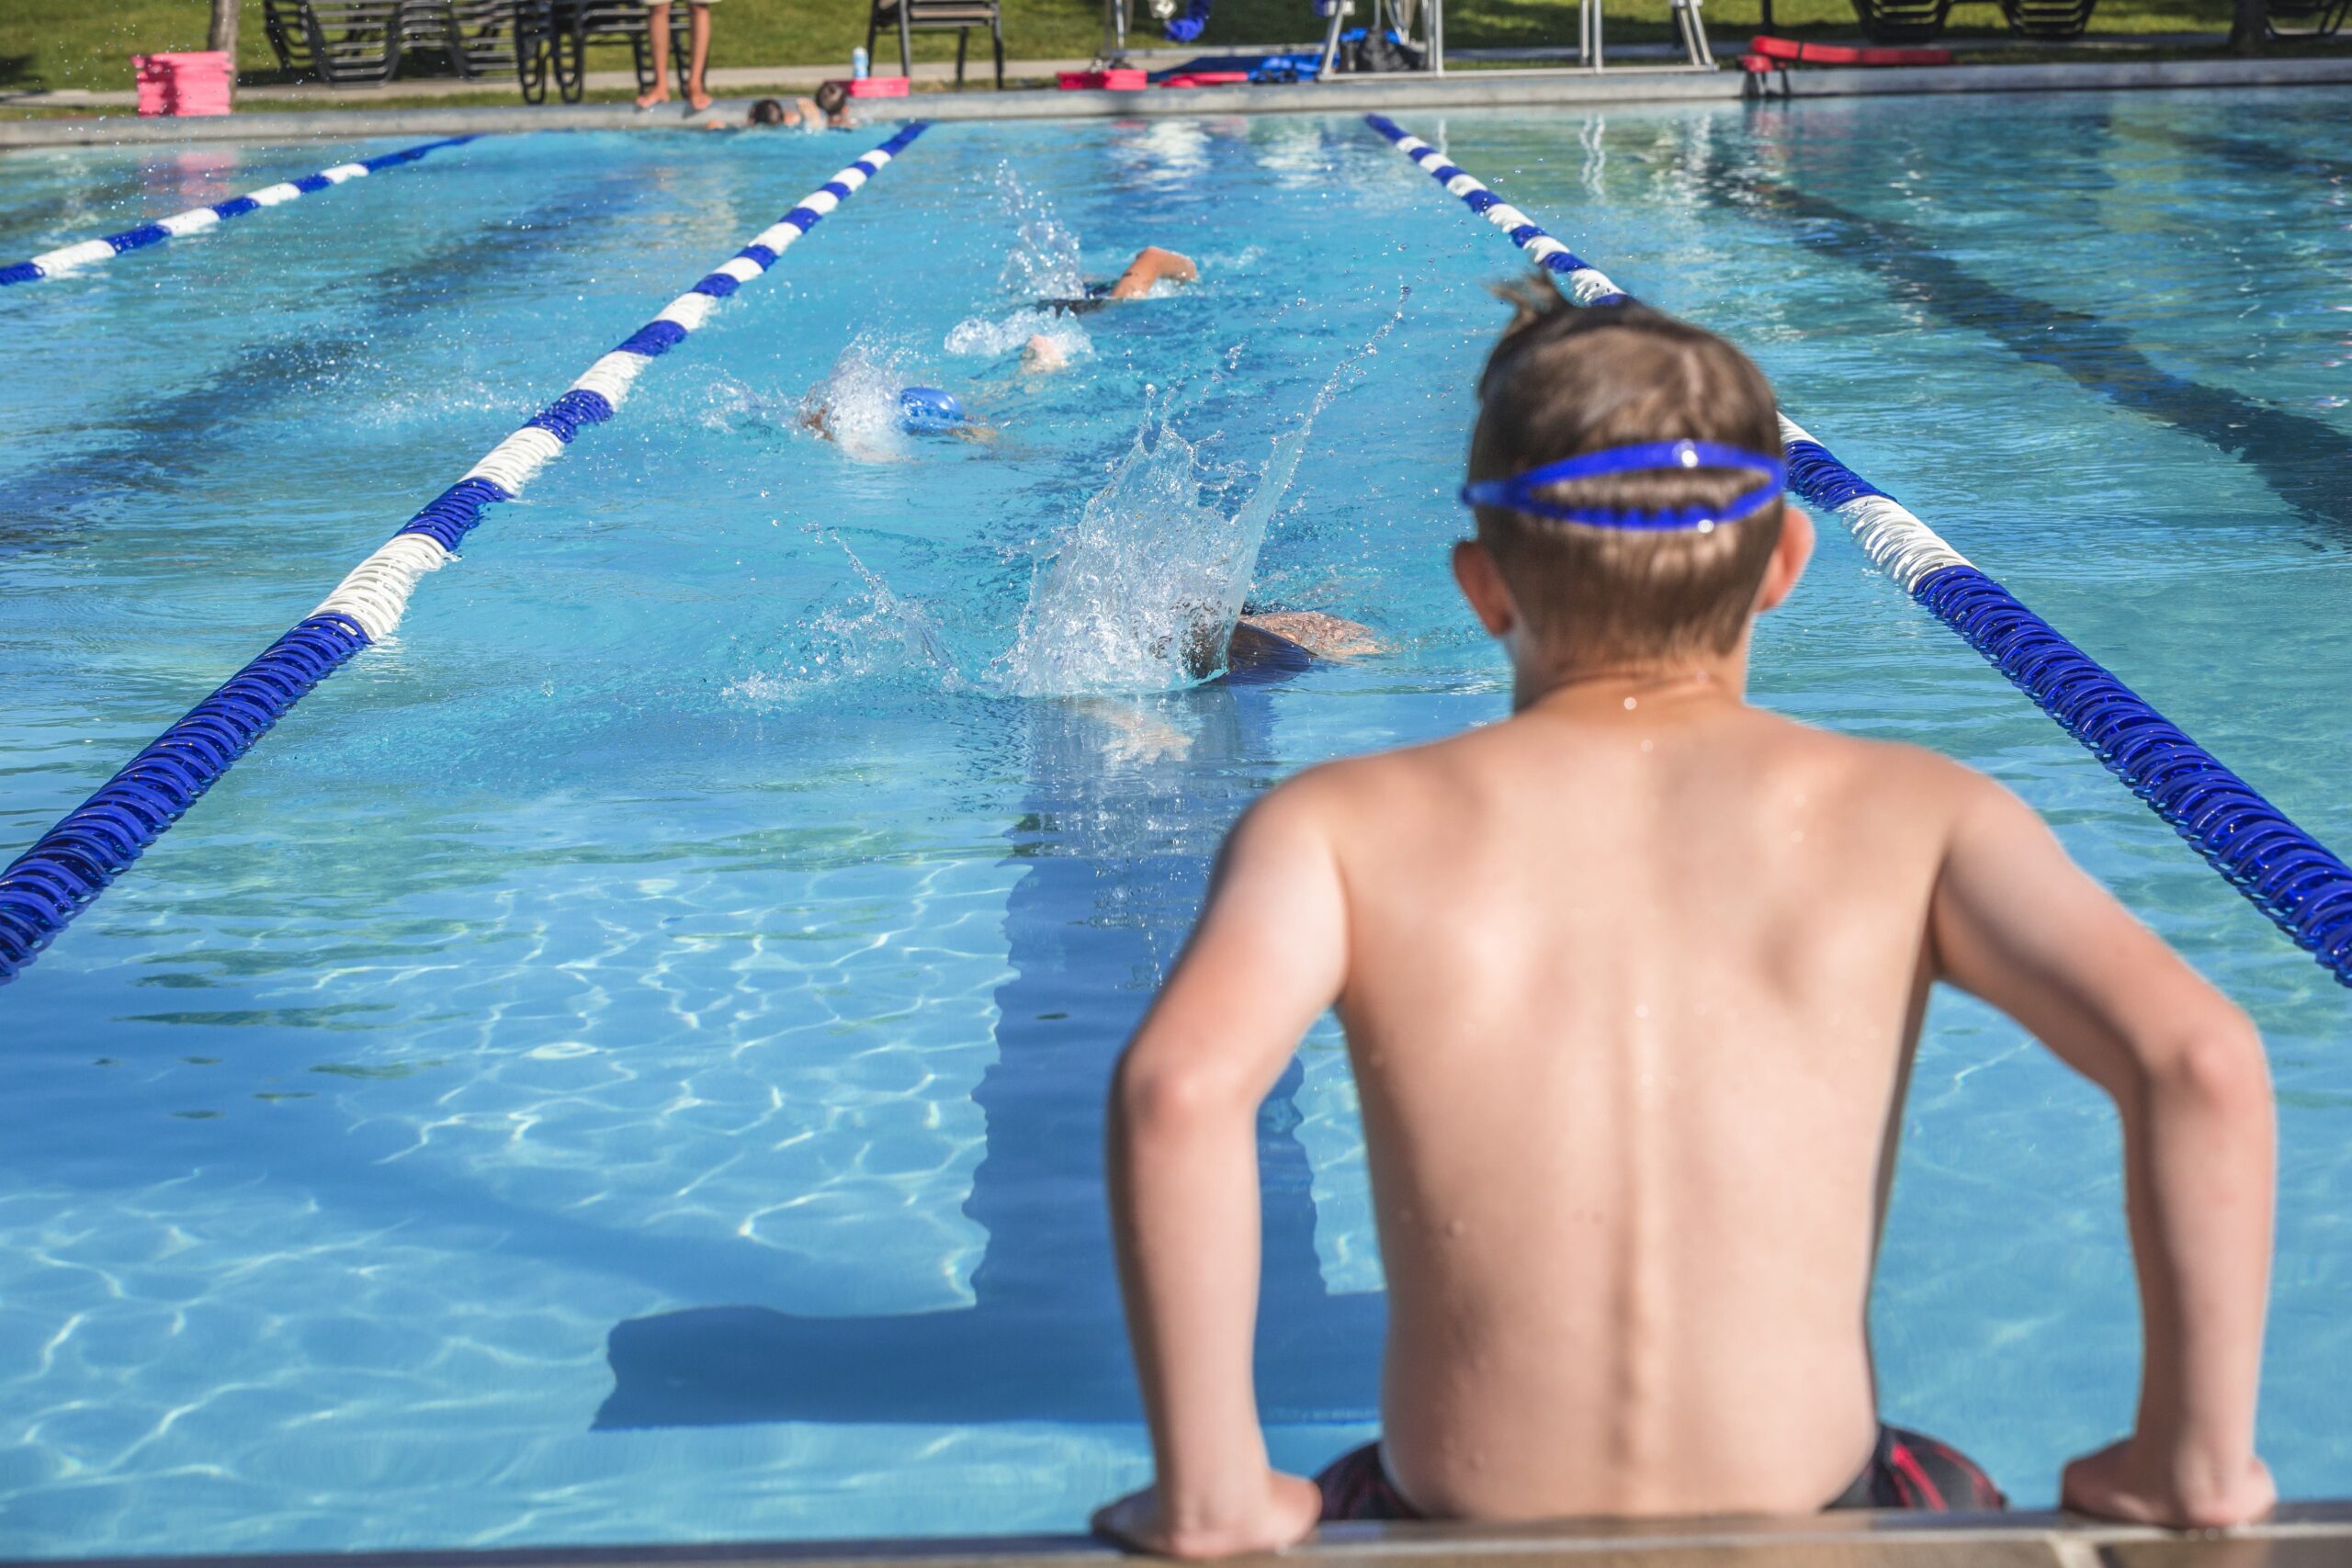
(1623, 683)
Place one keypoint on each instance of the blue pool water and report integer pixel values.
(622, 1061)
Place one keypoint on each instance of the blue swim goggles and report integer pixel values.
(1518, 492)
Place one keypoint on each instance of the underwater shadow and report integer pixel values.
(1114, 859)
(2301, 458)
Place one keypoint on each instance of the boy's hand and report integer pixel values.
(1283, 1516)
(2134, 1479)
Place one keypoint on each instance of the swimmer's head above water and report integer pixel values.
(922, 410)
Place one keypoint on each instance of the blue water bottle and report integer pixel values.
(857, 62)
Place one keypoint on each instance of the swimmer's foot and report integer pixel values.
(653, 99)
(698, 102)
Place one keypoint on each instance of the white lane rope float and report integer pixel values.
(72, 863)
(83, 253)
(2287, 875)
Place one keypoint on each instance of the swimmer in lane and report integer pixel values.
(1151, 266)
(922, 411)
(1264, 643)
(826, 111)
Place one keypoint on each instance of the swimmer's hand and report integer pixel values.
(2140, 1481)
(1276, 1511)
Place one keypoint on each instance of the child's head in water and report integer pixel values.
(1563, 383)
(830, 96)
(768, 111)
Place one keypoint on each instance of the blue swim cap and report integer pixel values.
(927, 408)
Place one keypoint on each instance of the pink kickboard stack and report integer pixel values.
(192, 83)
(877, 86)
(1119, 81)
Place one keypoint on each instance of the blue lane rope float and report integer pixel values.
(82, 253)
(2292, 878)
(45, 888)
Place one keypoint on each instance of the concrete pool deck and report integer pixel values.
(2302, 1535)
(1462, 90)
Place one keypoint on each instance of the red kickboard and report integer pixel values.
(1787, 49)
(1208, 79)
(877, 86)
(1121, 81)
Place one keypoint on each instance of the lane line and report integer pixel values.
(2291, 876)
(44, 888)
(84, 253)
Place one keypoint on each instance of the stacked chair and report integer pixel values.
(2305, 18)
(551, 39)
(959, 16)
(369, 40)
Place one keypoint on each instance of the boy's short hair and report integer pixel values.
(830, 96)
(1563, 382)
(767, 111)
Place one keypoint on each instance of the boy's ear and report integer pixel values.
(1482, 583)
(1788, 558)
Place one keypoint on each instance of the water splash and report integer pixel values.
(872, 635)
(1043, 262)
(1143, 591)
(992, 337)
(857, 404)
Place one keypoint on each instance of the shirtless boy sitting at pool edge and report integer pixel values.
(1630, 982)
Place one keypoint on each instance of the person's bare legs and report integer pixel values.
(698, 28)
(657, 21)
(1151, 264)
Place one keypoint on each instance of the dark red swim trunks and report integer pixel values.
(1905, 1470)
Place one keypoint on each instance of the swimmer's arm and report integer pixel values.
(1151, 264)
(1265, 961)
(2017, 923)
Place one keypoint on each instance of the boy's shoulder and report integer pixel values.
(1381, 791)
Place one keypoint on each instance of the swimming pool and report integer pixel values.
(622, 1061)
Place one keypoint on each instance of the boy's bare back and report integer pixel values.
(1629, 1004)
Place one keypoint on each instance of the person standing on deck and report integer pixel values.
(657, 19)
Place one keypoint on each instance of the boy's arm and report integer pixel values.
(2017, 923)
(1267, 958)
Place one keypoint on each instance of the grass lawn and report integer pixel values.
(88, 43)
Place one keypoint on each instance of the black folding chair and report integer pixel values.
(551, 39)
(960, 16)
(2305, 18)
(2048, 18)
(1902, 21)
(335, 40)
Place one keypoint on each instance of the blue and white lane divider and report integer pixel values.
(72, 863)
(68, 258)
(2287, 874)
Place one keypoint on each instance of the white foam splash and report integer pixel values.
(994, 337)
(857, 404)
(871, 634)
(1145, 590)
(1043, 262)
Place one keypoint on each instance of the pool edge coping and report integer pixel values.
(1483, 89)
(1882, 1539)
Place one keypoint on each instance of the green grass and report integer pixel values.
(88, 43)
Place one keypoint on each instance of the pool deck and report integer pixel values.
(2302, 1535)
(1460, 90)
